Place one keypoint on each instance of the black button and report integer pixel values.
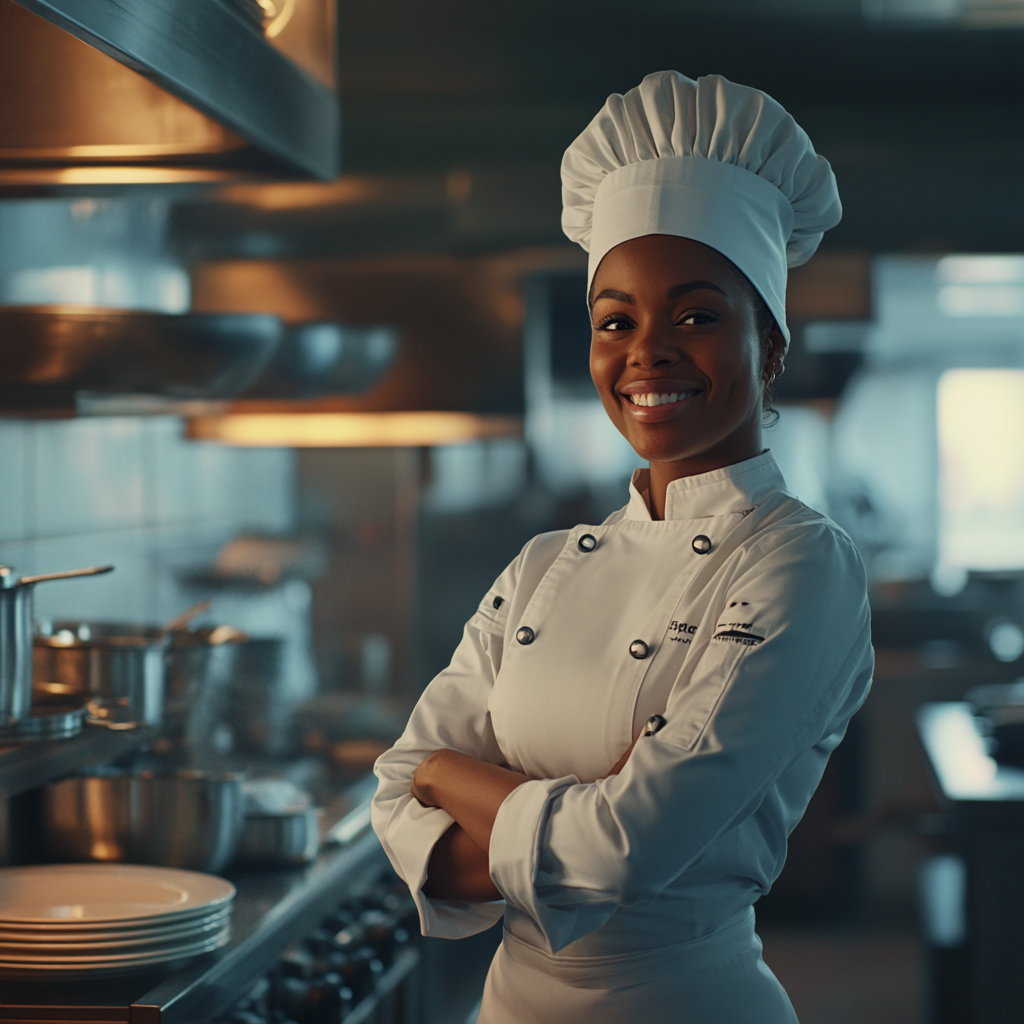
(587, 543)
(654, 723)
(638, 649)
(498, 602)
(701, 544)
(525, 635)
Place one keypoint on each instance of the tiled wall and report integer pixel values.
(132, 492)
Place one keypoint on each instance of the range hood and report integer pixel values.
(100, 94)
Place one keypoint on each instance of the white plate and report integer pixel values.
(180, 951)
(42, 928)
(14, 948)
(72, 894)
(16, 934)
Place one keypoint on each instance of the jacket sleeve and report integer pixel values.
(784, 665)
(451, 714)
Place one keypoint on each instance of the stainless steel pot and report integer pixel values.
(16, 623)
(187, 820)
(200, 666)
(119, 669)
(286, 839)
(258, 710)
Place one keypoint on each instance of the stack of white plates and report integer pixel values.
(78, 919)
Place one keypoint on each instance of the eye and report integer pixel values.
(697, 318)
(614, 322)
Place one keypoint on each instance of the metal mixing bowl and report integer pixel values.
(187, 820)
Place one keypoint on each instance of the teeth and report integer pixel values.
(650, 398)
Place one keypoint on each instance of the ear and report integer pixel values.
(776, 346)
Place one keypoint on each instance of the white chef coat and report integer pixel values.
(758, 653)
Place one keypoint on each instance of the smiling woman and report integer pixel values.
(681, 367)
(641, 709)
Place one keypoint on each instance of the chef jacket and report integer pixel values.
(753, 625)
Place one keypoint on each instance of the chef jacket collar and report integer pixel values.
(735, 488)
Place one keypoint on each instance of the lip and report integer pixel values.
(659, 386)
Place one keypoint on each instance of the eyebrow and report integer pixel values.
(673, 293)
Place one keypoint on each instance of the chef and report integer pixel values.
(640, 710)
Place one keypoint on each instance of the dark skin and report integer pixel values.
(672, 316)
(679, 359)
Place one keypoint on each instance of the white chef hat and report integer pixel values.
(720, 163)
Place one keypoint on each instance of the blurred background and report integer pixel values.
(347, 475)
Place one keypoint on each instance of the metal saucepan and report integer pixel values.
(16, 622)
(282, 827)
(258, 711)
(200, 666)
(285, 839)
(187, 820)
(119, 669)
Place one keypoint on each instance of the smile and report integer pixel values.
(651, 398)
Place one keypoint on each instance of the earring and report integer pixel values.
(771, 376)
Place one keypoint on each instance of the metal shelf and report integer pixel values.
(27, 765)
(272, 910)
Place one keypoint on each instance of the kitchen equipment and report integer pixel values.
(119, 351)
(284, 839)
(1000, 709)
(115, 932)
(95, 122)
(16, 622)
(65, 966)
(51, 721)
(77, 919)
(200, 665)
(281, 829)
(187, 819)
(326, 359)
(181, 621)
(275, 670)
(259, 710)
(118, 669)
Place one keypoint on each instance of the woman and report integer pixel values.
(639, 712)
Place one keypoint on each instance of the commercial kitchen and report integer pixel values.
(293, 362)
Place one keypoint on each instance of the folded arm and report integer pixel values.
(471, 791)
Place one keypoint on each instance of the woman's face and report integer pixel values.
(676, 353)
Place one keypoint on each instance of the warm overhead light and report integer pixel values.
(104, 174)
(350, 429)
(300, 195)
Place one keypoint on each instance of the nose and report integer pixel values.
(654, 347)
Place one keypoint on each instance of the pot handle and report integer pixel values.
(95, 570)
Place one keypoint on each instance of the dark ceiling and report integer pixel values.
(923, 121)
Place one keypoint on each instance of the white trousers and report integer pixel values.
(718, 980)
